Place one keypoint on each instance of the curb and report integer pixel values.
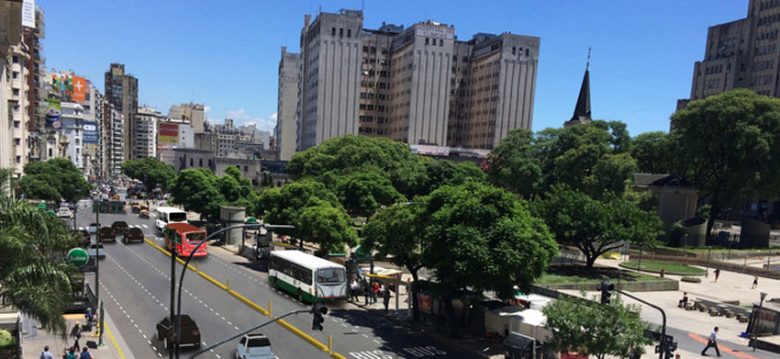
(306, 337)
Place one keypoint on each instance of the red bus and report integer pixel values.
(185, 237)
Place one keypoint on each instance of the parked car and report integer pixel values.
(120, 227)
(107, 235)
(254, 346)
(190, 334)
(133, 235)
(94, 252)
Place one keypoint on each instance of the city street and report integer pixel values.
(135, 285)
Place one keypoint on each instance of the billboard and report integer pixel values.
(28, 13)
(91, 135)
(69, 87)
(79, 91)
(168, 133)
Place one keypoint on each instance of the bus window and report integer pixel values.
(330, 276)
(177, 217)
(196, 237)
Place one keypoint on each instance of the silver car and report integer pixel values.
(254, 346)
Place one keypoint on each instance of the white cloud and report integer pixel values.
(243, 117)
(206, 108)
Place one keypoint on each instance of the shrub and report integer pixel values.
(6, 339)
(691, 279)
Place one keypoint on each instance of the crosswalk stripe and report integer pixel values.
(145, 226)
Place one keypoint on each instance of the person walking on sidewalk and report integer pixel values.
(71, 353)
(712, 342)
(386, 297)
(76, 334)
(46, 354)
(85, 354)
(755, 282)
(366, 291)
(374, 291)
(354, 290)
(717, 274)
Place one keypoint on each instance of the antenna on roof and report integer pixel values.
(362, 5)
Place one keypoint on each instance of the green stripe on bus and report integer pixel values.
(289, 288)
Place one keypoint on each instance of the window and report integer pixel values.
(16, 124)
(330, 276)
(17, 141)
(16, 74)
(200, 162)
(16, 92)
(341, 32)
(333, 31)
(18, 159)
(16, 59)
(246, 168)
(426, 41)
(191, 163)
(441, 42)
(349, 32)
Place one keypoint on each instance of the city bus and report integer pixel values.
(185, 237)
(166, 215)
(308, 278)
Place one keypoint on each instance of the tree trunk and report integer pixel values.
(590, 260)
(413, 298)
(715, 210)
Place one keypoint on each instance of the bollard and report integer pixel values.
(227, 284)
(270, 309)
(330, 344)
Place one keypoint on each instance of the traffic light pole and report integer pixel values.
(663, 343)
(299, 311)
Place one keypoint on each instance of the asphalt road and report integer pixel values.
(135, 289)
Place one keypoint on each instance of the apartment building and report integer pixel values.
(145, 132)
(122, 92)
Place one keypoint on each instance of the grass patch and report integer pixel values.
(578, 275)
(668, 267)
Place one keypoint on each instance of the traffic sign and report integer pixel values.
(78, 257)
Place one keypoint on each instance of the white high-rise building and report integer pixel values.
(145, 134)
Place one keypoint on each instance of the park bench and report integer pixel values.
(727, 309)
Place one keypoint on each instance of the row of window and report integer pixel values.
(293, 270)
(341, 32)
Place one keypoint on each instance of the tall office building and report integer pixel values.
(744, 53)
(287, 105)
(418, 85)
(145, 132)
(122, 92)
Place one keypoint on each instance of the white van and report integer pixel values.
(165, 215)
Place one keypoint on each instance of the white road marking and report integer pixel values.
(145, 226)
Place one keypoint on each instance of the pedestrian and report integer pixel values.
(712, 342)
(755, 282)
(366, 291)
(717, 274)
(76, 334)
(677, 356)
(85, 354)
(46, 354)
(71, 353)
(354, 290)
(663, 271)
(386, 298)
(374, 291)
(684, 301)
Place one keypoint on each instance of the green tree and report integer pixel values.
(396, 232)
(652, 150)
(34, 275)
(596, 226)
(594, 329)
(326, 225)
(197, 190)
(151, 171)
(483, 238)
(728, 146)
(363, 192)
(54, 180)
(516, 163)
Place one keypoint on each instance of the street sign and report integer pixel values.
(78, 257)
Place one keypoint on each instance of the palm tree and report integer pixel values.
(34, 274)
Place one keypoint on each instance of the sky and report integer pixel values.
(225, 53)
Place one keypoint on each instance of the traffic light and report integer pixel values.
(606, 291)
(318, 310)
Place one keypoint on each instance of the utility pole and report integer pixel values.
(172, 249)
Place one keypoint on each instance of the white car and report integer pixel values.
(254, 346)
(64, 212)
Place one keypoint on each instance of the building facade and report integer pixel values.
(287, 105)
(122, 92)
(742, 54)
(145, 132)
(418, 85)
(192, 113)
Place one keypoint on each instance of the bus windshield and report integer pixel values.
(330, 276)
(177, 217)
(196, 236)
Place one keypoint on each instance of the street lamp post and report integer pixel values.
(97, 269)
(755, 320)
(663, 344)
(177, 318)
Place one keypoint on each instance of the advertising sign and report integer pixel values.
(168, 133)
(28, 13)
(69, 87)
(79, 92)
(91, 132)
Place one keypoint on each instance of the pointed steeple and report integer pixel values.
(582, 109)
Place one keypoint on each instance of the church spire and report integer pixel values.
(582, 109)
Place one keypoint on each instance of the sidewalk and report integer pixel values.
(113, 347)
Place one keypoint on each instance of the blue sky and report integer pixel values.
(225, 53)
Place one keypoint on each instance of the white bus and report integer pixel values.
(165, 215)
(308, 278)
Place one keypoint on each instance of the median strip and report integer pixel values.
(301, 334)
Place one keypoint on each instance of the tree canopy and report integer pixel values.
(326, 225)
(652, 152)
(728, 146)
(591, 328)
(54, 180)
(363, 192)
(197, 190)
(151, 171)
(34, 274)
(483, 238)
(596, 226)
